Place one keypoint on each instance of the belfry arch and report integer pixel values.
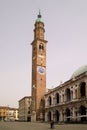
(41, 46)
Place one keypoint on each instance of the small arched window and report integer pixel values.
(41, 47)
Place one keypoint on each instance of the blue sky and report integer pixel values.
(65, 30)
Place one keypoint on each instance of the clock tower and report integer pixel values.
(38, 70)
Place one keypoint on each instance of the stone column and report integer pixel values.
(61, 116)
(61, 98)
(78, 92)
(52, 99)
(46, 101)
(65, 97)
(64, 116)
(46, 116)
(86, 89)
(78, 114)
(71, 95)
(52, 115)
(33, 116)
(74, 116)
(74, 93)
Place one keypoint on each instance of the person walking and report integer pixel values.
(52, 124)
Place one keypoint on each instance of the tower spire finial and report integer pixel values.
(39, 15)
(39, 11)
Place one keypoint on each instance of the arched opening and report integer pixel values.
(83, 89)
(29, 118)
(41, 47)
(57, 115)
(67, 115)
(71, 97)
(83, 113)
(50, 100)
(68, 95)
(49, 116)
(57, 98)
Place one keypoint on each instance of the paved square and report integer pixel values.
(39, 126)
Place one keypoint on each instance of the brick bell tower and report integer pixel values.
(38, 70)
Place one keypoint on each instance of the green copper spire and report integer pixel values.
(39, 17)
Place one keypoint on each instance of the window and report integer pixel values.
(28, 112)
(34, 48)
(41, 47)
(50, 100)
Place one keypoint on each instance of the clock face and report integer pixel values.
(41, 70)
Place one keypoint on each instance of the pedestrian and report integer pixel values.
(51, 124)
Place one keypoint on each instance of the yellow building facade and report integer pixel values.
(8, 114)
(3, 112)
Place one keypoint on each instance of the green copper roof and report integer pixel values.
(79, 71)
(39, 17)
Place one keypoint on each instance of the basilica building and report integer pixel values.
(64, 103)
(68, 101)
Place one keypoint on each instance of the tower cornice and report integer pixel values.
(34, 41)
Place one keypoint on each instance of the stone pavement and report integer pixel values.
(39, 126)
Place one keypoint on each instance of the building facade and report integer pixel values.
(8, 113)
(68, 101)
(12, 114)
(3, 112)
(38, 70)
(25, 109)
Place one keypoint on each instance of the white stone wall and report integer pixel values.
(67, 100)
(24, 108)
